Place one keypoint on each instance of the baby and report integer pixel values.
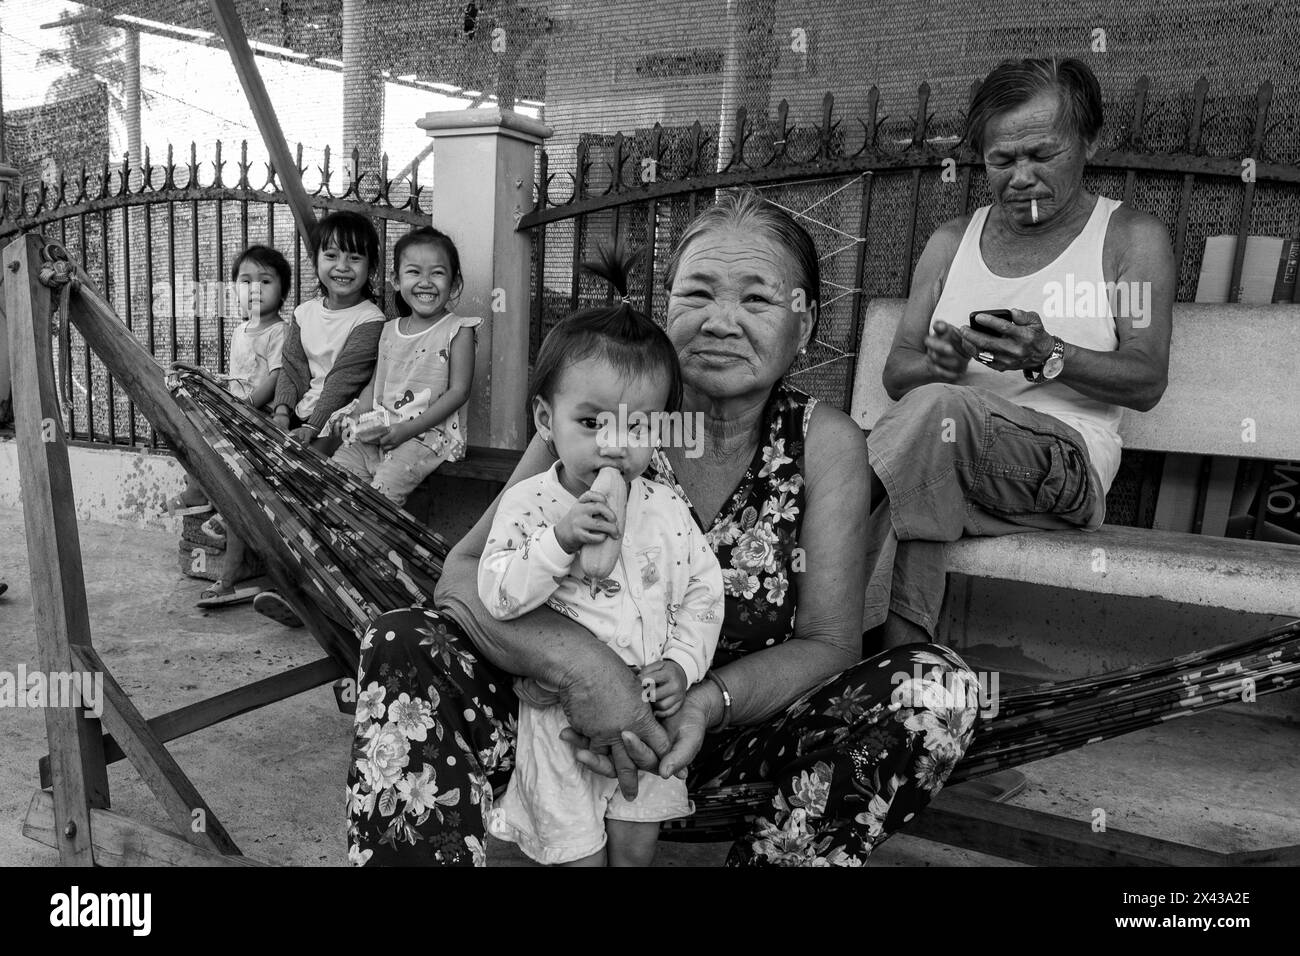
(659, 608)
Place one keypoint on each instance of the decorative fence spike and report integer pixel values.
(828, 126)
(921, 121)
(218, 164)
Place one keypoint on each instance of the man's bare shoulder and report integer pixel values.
(1137, 239)
(949, 235)
(1132, 226)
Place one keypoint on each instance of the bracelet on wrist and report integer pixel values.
(726, 699)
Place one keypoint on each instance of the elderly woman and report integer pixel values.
(781, 492)
(1014, 425)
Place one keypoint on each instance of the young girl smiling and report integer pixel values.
(407, 421)
(330, 349)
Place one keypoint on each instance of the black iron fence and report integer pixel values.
(872, 189)
(160, 240)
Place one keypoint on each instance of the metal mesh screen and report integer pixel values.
(358, 73)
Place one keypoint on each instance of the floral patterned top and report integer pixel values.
(756, 533)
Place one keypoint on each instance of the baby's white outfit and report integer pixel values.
(664, 600)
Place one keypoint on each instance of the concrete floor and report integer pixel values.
(275, 776)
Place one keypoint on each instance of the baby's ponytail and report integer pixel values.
(614, 264)
(621, 334)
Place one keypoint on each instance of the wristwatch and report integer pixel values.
(1052, 367)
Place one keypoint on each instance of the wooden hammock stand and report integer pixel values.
(73, 814)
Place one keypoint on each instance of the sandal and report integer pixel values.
(217, 596)
(269, 604)
(176, 507)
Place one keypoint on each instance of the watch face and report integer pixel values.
(1052, 367)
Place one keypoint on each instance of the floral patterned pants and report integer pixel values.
(853, 760)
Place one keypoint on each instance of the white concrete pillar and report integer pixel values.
(131, 96)
(747, 66)
(8, 181)
(482, 185)
(363, 85)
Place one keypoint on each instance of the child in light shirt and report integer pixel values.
(330, 349)
(261, 277)
(660, 609)
(407, 421)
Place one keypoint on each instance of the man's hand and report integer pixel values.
(589, 521)
(669, 686)
(1019, 344)
(304, 433)
(943, 353)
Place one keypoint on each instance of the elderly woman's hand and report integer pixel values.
(667, 750)
(605, 702)
(1021, 343)
(686, 729)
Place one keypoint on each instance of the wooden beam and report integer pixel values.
(158, 768)
(1045, 839)
(120, 841)
(53, 546)
(268, 124)
(214, 710)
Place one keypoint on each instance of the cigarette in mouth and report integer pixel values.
(1033, 209)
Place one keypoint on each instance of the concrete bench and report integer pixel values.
(490, 467)
(1231, 378)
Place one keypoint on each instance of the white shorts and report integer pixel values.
(555, 809)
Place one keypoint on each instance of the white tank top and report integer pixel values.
(1069, 295)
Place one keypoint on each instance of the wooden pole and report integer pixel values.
(53, 547)
(8, 179)
(268, 124)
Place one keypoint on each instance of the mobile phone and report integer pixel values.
(988, 330)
